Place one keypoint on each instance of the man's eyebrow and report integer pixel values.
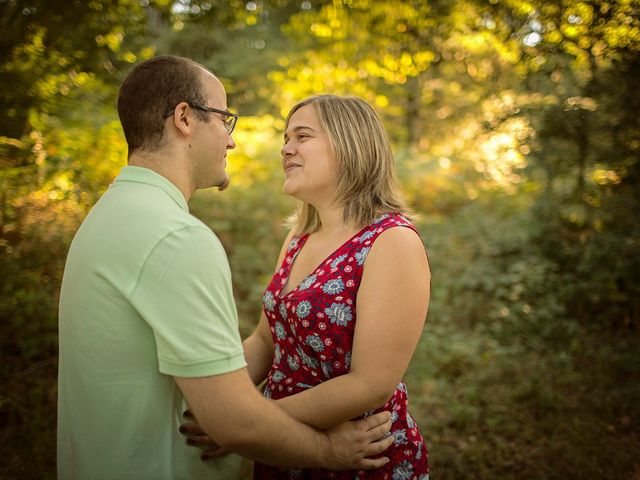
(297, 129)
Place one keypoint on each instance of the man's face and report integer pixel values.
(211, 140)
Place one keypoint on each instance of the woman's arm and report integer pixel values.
(258, 347)
(392, 304)
(258, 351)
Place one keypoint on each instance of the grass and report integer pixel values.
(522, 410)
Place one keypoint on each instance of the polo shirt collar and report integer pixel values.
(149, 177)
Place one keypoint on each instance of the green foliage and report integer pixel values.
(47, 48)
(496, 277)
(516, 132)
(589, 157)
(513, 411)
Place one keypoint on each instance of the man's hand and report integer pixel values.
(353, 442)
(198, 438)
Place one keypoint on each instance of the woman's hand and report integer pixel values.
(196, 437)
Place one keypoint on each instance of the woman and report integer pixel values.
(345, 308)
(337, 332)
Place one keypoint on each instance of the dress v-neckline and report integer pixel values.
(301, 242)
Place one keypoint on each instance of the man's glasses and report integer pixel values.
(230, 119)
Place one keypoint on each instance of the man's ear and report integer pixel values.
(182, 118)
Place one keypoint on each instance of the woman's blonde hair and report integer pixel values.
(367, 183)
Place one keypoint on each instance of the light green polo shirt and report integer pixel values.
(146, 295)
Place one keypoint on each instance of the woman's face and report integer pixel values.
(308, 159)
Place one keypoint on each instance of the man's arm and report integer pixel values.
(232, 412)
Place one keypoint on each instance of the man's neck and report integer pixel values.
(168, 166)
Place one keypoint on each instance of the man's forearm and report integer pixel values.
(274, 438)
(243, 421)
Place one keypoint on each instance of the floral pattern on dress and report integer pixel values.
(333, 286)
(334, 264)
(362, 255)
(312, 328)
(339, 313)
(307, 282)
(268, 301)
(315, 342)
(303, 309)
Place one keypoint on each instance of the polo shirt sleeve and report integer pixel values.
(184, 293)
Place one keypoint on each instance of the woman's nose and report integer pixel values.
(287, 150)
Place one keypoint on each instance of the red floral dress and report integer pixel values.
(312, 328)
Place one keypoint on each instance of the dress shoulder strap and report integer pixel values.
(361, 244)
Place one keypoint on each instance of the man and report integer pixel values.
(147, 317)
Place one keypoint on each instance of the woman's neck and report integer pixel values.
(332, 221)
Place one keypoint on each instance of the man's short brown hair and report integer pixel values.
(151, 91)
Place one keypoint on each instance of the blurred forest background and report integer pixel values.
(516, 128)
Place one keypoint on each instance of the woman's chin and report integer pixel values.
(289, 189)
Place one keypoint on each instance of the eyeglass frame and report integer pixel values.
(229, 125)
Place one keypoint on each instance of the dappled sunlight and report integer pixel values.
(604, 177)
(257, 155)
(500, 157)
